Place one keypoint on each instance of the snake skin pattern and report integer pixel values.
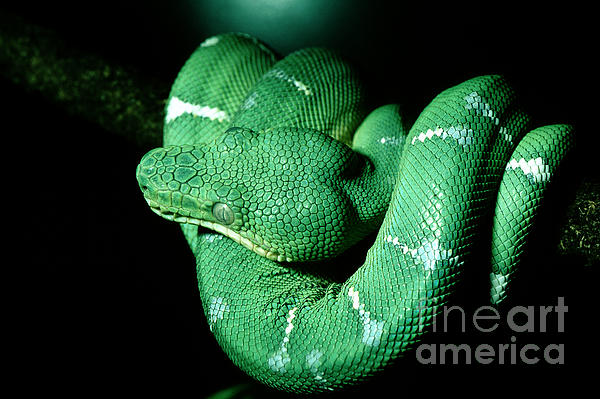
(276, 170)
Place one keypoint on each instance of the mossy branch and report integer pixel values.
(117, 98)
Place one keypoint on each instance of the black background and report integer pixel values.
(110, 299)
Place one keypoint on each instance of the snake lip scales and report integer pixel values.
(235, 236)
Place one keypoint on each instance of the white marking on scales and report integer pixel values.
(313, 361)
(461, 134)
(216, 310)
(279, 74)
(372, 329)
(427, 254)
(250, 101)
(482, 108)
(177, 107)
(507, 136)
(212, 237)
(475, 102)
(211, 41)
(390, 140)
(430, 251)
(499, 280)
(535, 169)
(281, 358)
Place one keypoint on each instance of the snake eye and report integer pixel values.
(223, 213)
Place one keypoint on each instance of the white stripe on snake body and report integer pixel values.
(177, 107)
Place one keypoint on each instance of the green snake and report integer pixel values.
(277, 172)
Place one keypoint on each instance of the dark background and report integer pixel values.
(110, 297)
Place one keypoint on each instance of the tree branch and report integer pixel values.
(114, 97)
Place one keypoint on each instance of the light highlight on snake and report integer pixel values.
(284, 171)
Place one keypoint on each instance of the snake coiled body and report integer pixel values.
(285, 171)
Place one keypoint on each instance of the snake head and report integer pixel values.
(279, 192)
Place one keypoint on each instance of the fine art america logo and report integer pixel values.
(487, 319)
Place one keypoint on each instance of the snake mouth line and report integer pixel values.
(235, 236)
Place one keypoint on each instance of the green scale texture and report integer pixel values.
(281, 155)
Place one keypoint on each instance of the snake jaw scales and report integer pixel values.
(235, 236)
